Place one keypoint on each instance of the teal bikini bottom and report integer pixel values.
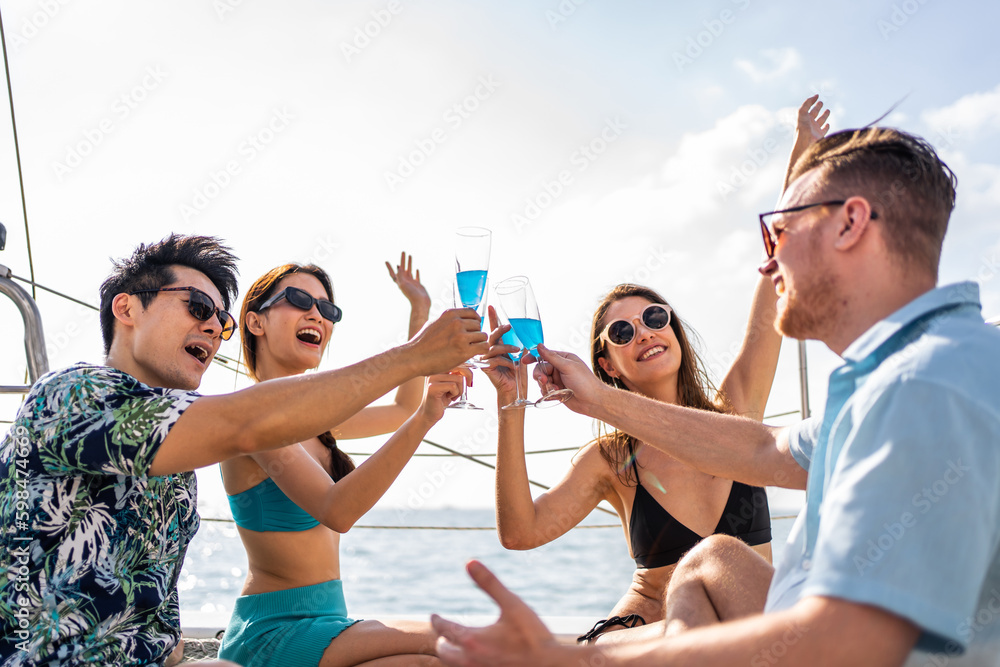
(291, 628)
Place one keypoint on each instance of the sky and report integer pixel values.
(600, 142)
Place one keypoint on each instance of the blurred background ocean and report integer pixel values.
(414, 572)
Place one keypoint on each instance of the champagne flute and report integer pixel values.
(472, 261)
(518, 302)
(510, 338)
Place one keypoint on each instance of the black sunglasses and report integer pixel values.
(201, 307)
(303, 300)
(654, 317)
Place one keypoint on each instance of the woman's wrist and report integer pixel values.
(420, 310)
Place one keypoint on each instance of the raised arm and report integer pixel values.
(288, 410)
(379, 419)
(339, 505)
(524, 522)
(724, 445)
(747, 384)
(810, 127)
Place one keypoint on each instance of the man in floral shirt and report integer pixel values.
(97, 497)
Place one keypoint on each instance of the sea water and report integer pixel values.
(414, 572)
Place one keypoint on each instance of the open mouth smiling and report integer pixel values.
(654, 351)
(310, 335)
(198, 351)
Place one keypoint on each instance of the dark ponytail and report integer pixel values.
(340, 463)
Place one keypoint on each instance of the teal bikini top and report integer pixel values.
(265, 507)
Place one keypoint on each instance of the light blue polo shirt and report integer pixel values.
(903, 498)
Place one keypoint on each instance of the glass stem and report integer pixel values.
(517, 380)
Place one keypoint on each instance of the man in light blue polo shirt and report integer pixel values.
(896, 556)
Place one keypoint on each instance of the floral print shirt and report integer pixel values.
(90, 546)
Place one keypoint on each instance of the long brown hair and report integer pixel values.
(262, 290)
(694, 388)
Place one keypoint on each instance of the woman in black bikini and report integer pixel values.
(665, 506)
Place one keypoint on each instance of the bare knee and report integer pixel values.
(708, 560)
(709, 552)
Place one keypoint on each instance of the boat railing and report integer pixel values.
(34, 338)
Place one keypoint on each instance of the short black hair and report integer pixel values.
(149, 267)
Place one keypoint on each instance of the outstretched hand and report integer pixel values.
(811, 125)
(517, 638)
(409, 283)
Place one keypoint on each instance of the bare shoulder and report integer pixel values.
(589, 462)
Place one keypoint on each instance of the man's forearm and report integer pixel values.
(816, 632)
(278, 412)
(723, 445)
(289, 410)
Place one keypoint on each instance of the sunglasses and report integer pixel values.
(201, 307)
(303, 300)
(654, 317)
(771, 240)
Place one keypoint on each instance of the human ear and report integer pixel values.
(607, 367)
(254, 324)
(857, 213)
(123, 308)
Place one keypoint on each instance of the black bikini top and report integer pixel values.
(658, 539)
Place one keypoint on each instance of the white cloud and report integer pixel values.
(776, 63)
(969, 115)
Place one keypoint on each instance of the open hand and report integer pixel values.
(517, 638)
(409, 283)
(811, 125)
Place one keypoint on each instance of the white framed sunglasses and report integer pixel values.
(655, 316)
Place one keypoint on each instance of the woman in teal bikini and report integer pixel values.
(291, 504)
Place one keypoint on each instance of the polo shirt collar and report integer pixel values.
(964, 293)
